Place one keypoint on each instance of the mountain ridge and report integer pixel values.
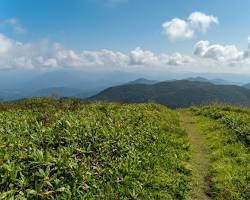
(174, 94)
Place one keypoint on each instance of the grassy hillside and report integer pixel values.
(176, 94)
(68, 150)
(227, 131)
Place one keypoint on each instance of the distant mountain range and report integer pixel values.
(246, 86)
(214, 81)
(142, 81)
(56, 91)
(118, 87)
(174, 94)
(62, 83)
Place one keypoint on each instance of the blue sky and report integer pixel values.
(124, 25)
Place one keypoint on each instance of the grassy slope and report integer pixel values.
(67, 150)
(229, 170)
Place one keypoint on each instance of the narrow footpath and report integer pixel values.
(199, 160)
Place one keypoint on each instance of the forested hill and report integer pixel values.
(180, 93)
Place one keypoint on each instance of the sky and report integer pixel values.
(143, 35)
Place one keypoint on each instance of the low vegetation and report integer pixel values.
(68, 150)
(226, 130)
(235, 118)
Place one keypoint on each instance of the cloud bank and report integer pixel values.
(44, 54)
(179, 29)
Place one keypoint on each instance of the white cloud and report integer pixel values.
(51, 62)
(248, 39)
(104, 57)
(201, 21)
(148, 58)
(179, 59)
(227, 53)
(141, 57)
(14, 24)
(177, 29)
(5, 44)
(44, 54)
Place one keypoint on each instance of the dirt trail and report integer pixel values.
(199, 160)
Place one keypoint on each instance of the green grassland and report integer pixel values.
(67, 149)
(227, 132)
(53, 149)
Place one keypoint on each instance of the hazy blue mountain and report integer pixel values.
(223, 82)
(198, 78)
(11, 95)
(23, 84)
(56, 91)
(143, 81)
(62, 82)
(246, 86)
(216, 81)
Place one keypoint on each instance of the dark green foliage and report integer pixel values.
(175, 94)
(68, 150)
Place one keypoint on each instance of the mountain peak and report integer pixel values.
(143, 81)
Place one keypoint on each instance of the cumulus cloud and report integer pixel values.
(201, 21)
(177, 29)
(148, 58)
(227, 53)
(104, 57)
(179, 59)
(141, 57)
(14, 24)
(44, 54)
(5, 44)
